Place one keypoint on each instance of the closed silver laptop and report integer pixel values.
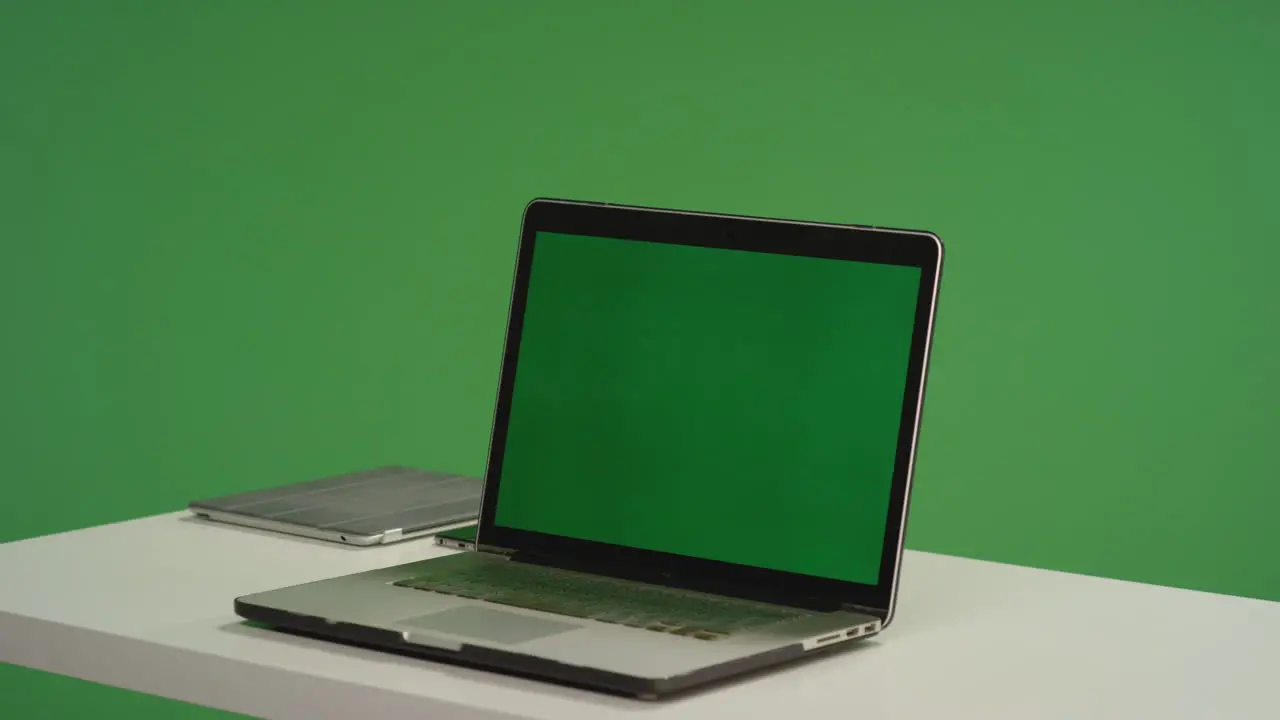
(368, 507)
(700, 459)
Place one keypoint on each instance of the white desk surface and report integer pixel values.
(146, 605)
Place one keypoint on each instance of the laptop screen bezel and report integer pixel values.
(844, 242)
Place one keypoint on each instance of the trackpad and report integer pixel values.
(488, 624)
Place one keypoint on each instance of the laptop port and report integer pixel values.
(820, 641)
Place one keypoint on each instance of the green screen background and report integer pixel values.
(245, 243)
(680, 399)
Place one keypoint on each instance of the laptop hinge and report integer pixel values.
(759, 594)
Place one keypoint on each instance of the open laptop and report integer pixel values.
(700, 459)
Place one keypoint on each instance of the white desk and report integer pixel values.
(146, 605)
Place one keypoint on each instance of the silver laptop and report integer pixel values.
(699, 464)
(367, 507)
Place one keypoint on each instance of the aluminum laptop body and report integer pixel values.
(700, 460)
(367, 507)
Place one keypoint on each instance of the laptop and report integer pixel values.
(699, 464)
(368, 507)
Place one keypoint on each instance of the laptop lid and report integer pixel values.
(725, 400)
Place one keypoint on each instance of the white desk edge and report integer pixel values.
(146, 605)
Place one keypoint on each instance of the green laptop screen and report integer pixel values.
(720, 404)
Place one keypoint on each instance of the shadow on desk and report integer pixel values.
(468, 672)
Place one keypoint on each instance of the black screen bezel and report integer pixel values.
(859, 243)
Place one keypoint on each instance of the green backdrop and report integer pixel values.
(252, 242)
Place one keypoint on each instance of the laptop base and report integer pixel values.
(381, 609)
(524, 666)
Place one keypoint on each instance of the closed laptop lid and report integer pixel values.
(363, 503)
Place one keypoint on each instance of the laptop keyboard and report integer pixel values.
(652, 607)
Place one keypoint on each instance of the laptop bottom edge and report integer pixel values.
(518, 664)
